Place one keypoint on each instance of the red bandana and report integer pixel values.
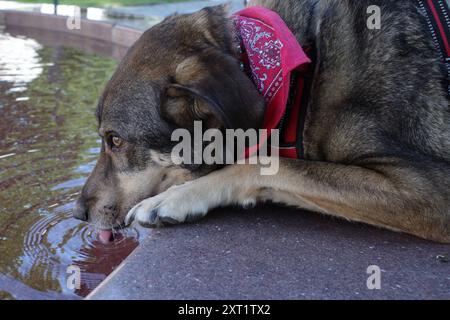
(271, 55)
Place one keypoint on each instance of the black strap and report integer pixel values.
(437, 14)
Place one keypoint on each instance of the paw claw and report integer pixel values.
(130, 216)
(149, 220)
(169, 220)
(153, 216)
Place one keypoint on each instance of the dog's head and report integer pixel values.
(184, 69)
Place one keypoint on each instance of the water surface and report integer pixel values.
(48, 146)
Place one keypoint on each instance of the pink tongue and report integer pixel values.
(105, 236)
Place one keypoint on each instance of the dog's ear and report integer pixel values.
(214, 24)
(211, 87)
(184, 105)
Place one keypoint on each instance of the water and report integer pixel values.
(48, 146)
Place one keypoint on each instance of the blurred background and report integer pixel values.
(140, 14)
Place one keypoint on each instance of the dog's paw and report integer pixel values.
(176, 205)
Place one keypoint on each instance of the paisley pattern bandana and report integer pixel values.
(270, 53)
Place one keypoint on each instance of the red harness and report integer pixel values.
(278, 66)
(437, 14)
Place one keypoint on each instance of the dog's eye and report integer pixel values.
(116, 141)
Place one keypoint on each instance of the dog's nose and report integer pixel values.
(80, 211)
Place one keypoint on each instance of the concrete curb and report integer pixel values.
(165, 9)
(94, 30)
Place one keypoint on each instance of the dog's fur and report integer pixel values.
(377, 134)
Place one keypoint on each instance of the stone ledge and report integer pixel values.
(108, 33)
(272, 252)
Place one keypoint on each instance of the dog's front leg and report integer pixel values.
(233, 185)
(392, 194)
(190, 201)
(243, 185)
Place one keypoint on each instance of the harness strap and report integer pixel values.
(437, 15)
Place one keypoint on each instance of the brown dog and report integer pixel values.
(376, 137)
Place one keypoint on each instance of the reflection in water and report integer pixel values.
(48, 146)
(90, 13)
(29, 68)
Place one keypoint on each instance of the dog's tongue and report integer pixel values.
(105, 236)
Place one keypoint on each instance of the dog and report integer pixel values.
(376, 136)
